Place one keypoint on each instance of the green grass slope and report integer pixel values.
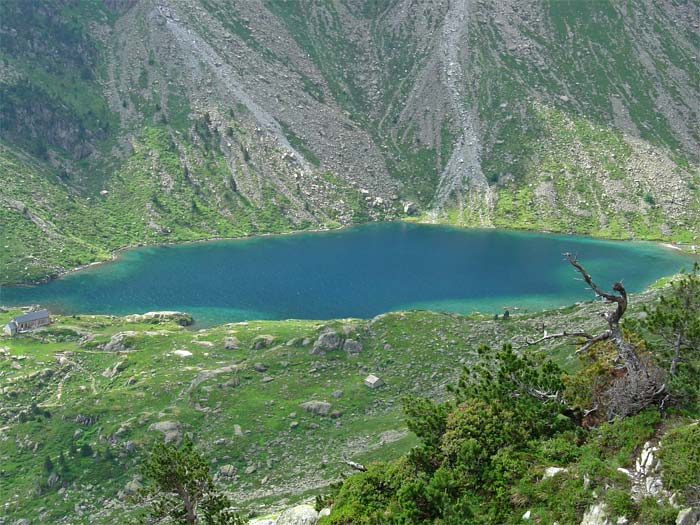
(91, 406)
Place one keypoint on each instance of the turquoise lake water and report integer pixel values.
(358, 272)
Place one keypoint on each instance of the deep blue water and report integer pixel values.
(359, 272)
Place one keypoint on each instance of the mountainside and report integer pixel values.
(142, 121)
(276, 408)
(275, 405)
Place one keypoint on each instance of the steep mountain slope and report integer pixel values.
(137, 121)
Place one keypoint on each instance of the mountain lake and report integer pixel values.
(356, 272)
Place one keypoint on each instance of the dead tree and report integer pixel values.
(625, 349)
(641, 382)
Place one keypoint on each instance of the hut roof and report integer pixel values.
(32, 316)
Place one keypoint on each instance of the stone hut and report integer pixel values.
(30, 321)
(373, 381)
(10, 328)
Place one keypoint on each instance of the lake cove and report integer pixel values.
(358, 272)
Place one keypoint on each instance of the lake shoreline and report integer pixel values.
(359, 271)
(115, 254)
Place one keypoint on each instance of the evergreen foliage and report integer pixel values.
(181, 489)
(481, 455)
(674, 328)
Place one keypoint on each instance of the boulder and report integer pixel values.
(181, 318)
(327, 341)
(52, 480)
(262, 341)
(321, 408)
(119, 342)
(170, 429)
(109, 373)
(227, 471)
(299, 515)
(689, 516)
(409, 208)
(352, 347)
(550, 472)
(133, 486)
(231, 343)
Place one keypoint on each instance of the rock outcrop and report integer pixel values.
(327, 341)
(171, 430)
(119, 342)
(299, 515)
(181, 318)
(596, 515)
(321, 408)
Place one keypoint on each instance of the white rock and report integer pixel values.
(552, 471)
(595, 515)
(526, 516)
(299, 515)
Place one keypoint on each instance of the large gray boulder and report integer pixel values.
(322, 408)
(689, 516)
(133, 486)
(170, 430)
(262, 341)
(231, 343)
(352, 347)
(228, 471)
(299, 515)
(327, 341)
(119, 342)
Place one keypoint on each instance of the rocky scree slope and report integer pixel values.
(142, 121)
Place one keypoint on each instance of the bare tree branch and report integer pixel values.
(593, 340)
(620, 299)
(590, 339)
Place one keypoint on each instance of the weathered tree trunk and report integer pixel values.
(190, 514)
(676, 353)
(625, 349)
